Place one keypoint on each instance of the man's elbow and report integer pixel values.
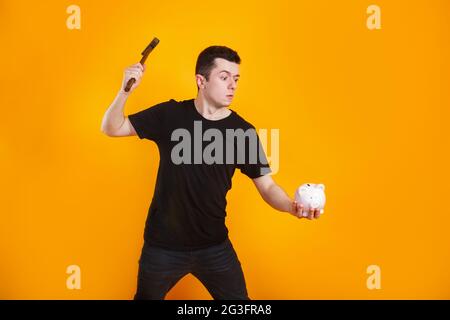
(106, 132)
(265, 192)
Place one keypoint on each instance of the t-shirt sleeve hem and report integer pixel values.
(137, 127)
(261, 172)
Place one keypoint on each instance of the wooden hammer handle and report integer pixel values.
(145, 54)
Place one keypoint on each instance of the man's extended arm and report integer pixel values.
(278, 199)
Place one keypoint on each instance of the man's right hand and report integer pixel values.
(134, 71)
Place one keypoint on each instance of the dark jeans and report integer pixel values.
(217, 267)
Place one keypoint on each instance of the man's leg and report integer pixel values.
(219, 270)
(159, 271)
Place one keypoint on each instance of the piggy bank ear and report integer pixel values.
(321, 186)
(303, 189)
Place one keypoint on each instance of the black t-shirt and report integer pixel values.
(188, 208)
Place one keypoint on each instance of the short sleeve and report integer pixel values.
(149, 123)
(251, 168)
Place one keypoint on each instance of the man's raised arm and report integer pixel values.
(114, 123)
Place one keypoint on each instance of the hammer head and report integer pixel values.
(151, 46)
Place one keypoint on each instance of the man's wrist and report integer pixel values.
(122, 93)
(289, 206)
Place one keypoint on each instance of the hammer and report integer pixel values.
(145, 54)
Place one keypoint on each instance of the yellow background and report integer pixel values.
(365, 112)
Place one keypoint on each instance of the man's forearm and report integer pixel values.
(114, 117)
(277, 198)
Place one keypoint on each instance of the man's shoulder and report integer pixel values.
(169, 105)
(241, 122)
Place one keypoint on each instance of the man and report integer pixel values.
(185, 230)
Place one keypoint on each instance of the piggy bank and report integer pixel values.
(311, 195)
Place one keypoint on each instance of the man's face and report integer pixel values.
(222, 83)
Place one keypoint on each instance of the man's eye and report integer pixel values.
(224, 78)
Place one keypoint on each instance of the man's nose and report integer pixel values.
(232, 84)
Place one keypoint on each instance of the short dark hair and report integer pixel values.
(205, 60)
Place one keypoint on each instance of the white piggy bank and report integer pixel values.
(311, 195)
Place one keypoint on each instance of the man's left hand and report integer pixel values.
(298, 211)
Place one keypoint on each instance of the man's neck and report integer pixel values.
(209, 110)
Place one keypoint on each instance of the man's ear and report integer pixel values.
(200, 80)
